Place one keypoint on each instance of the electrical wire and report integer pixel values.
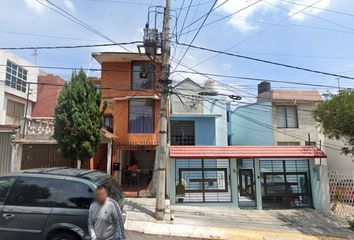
(70, 46)
(72, 18)
(267, 61)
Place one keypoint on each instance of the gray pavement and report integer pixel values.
(141, 236)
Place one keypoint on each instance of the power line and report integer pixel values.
(258, 33)
(72, 18)
(200, 28)
(48, 36)
(267, 61)
(222, 18)
(298, 137)
(322, 9)
(70, 46)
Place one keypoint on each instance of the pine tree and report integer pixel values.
(78, 119)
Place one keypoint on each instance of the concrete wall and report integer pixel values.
(307, 125)
(205, 131)
(189, 94)
(7, 92)
(320, 186)
(335, 159)
(244, 129)
(217, 106)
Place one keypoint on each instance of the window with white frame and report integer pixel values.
(16, 76)
(286, 117)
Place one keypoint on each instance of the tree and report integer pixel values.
(78, 119)
(336, 116)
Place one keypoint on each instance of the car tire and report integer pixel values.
(64, 236)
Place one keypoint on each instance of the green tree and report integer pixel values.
(336, 117)
(78, 119)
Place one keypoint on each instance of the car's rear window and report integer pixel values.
(114, 190)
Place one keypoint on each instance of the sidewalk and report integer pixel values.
(229, 223)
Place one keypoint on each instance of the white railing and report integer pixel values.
(39, 126)
(341, 186)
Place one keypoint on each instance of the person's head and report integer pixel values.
(101, 194)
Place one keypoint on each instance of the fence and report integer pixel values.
(341, 187)
(135, 182)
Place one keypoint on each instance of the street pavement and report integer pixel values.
(141, 236)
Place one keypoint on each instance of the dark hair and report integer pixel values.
(101, 187)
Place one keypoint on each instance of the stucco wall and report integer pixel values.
(245, 129)
(205, 133)
(307, 125)
(6, 91)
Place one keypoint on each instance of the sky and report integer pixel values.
(315, 34)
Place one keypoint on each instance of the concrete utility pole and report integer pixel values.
(161, 152)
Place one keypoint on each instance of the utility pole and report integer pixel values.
(161, 153)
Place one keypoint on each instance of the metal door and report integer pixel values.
(246, 183)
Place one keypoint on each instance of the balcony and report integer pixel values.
(38, 128)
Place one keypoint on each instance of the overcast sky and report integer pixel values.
(319, 37)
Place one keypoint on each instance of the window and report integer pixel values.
(108, 123)
(203, 180)
(5, 185)
(35, 192)
(15, 109)
(182, 132)
(287, 117)
(141, 116)
(288, 143)
(75, 195)
(16, 76)
(143, 75)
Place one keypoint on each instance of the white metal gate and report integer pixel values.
(5, 152)
(341, 187)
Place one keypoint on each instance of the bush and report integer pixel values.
(351, 224)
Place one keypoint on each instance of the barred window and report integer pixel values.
(16, 76)
(182, 132)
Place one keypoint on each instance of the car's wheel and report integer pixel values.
(64, 236)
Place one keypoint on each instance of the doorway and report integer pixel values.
(246, 183)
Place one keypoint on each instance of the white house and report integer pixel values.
(15, 74)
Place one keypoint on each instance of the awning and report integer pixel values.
(190, 152)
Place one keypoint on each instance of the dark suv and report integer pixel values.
(50, 204)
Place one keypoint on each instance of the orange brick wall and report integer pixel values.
(117, 78)
(47, 96)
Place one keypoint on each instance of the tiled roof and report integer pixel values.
(246, 152)
(291, 95)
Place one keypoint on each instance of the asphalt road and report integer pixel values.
(139, 236)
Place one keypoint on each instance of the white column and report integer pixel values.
(16, 157)
(234, 181)
(258, 184)
(109, 157)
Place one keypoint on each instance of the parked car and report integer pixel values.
(50, 204)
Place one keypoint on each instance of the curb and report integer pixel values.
(180, 230)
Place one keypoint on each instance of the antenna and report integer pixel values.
(35, 54)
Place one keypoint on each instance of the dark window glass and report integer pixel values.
(5, 185)
(108, 123)
(114, 190)
(36, 192)
(143, 75)
(287, 117)
(182, 133)
(307, 143)
(16, 76)
(75, 195)
(141, 116)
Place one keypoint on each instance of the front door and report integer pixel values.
(246, 183)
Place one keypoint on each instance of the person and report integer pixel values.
(105, 218)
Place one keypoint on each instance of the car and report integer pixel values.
(51, 203)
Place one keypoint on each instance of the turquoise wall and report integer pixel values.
(247, 132)
(204, 129)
